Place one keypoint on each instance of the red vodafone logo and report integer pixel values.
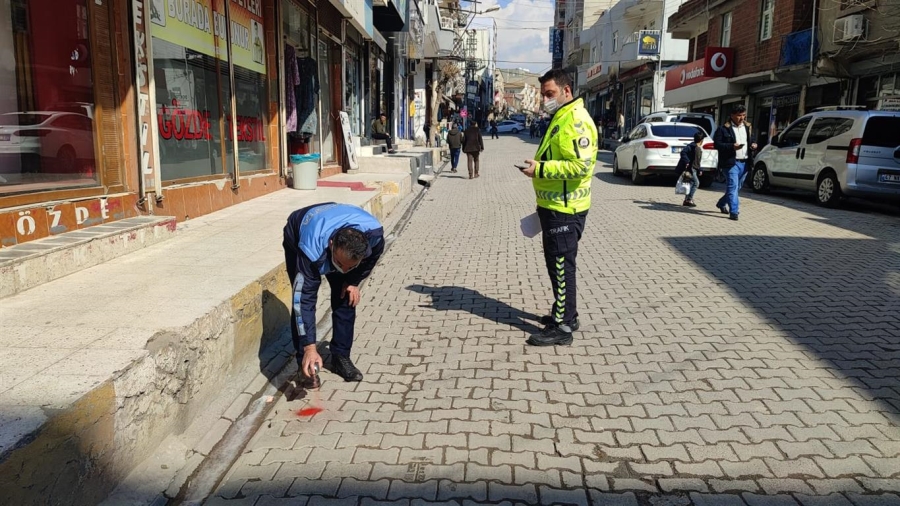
(719, 62)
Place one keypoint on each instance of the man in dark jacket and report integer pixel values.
(454, 142)
(732, 141)
(473, 145)
(343, 243)
(379, 131)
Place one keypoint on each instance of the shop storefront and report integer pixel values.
(703, 85)
(66, 120)
(879, 92)
(300, 80)
(774, 114)
(211, 97)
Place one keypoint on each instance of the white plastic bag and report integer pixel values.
(682, 187)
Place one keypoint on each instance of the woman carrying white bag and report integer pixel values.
(689, 167)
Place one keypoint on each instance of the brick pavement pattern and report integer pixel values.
(718, 363)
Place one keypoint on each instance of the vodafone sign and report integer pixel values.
(718, 62)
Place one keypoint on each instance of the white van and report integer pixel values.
(834, 151)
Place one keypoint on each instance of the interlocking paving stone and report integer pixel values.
(756, 381)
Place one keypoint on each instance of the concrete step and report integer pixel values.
(99, 367)
(31, 264)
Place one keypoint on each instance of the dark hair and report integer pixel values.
(383, 115)
(559, 76)
(352, 242)
(699, 136)
(473, 124)
(738, 109)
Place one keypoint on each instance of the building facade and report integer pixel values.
(118, 109)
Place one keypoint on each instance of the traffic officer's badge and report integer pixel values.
(554, 131)
(584, 142)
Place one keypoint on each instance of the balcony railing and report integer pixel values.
(795, 47)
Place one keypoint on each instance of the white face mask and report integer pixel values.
(550, 106)
(336, 267)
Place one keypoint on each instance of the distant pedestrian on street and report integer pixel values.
(561, 174)
(343, 243)
(454, 142)
(473, 145)
(735, 158)
(494, 134)
(379, 131)
(691, 156)
(621, 124)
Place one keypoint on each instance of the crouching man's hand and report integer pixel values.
(311, 361)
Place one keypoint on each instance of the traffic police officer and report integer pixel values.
(343, 243)
(562, 172)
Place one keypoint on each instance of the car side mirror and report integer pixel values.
(626, 139)
(774, 140)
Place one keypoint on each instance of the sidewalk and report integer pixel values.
(98, 367)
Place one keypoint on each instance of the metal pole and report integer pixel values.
(812, 40)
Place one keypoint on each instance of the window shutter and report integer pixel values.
(109, 141)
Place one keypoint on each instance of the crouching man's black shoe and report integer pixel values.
(343, 367)
(552, 335)
(548, 320)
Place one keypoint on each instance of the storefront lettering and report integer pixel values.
(190, 13)
(142, 82)
(25, 225)
(240, 34)
(183, 124)
(249, 129)
(254, 6)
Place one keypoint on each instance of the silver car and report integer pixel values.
(834, 152)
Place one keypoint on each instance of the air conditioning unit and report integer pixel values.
(850, 28)
(413, 66)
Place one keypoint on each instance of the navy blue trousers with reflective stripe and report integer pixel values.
(561, 233)
(343, 317)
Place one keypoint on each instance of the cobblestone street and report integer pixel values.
(718, 363)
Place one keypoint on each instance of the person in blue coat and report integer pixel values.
(343, 243)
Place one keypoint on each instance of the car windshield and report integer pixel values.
(700, 122)
(675, 130)
(882, 131)
(22, 119)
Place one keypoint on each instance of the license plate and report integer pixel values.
(676, 149)
(4, 137)
(890, 178)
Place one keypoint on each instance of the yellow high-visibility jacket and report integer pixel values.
(566, 159)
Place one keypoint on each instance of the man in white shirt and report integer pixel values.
(735, 157)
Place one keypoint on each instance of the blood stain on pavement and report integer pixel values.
(309, 411)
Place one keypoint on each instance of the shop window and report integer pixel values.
(56, 77)
(300, 81)
(766, 19)
(196, 122)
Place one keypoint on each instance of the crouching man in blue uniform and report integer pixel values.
(343, 243)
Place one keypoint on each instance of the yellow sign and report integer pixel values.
(200, 25)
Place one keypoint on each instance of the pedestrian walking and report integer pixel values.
(379, 131)
(343, 243)
(454, 142)
(691, 156)
(735, 158)
(494, 134)
(561, 174)
(473, 145)
(621, 124)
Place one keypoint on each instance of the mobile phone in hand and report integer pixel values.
(520, 167)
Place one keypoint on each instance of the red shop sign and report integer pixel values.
(718, 62)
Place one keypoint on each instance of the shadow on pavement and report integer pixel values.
(459, 298)
(838, 298)
(677, 208)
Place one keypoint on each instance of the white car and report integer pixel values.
(49, 142)
(703, 120)
(510, 126)
(653, 149)
(834, 151)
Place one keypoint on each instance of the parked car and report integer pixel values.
(510, 126)
(705, 121)
(653, 149)
(61, 139)
(834, 152)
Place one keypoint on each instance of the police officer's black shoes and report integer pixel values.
(552, 335)
(343, 367)
(548, 320)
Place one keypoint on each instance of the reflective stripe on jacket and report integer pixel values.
(566, 159)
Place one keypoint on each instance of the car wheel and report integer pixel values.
(706, 180)
(760, 180)
(828, 190)
(66, 159)
(636, 178)
(615, 165)
(515, 131)
(721, 176)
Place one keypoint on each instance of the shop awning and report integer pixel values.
(719, 87)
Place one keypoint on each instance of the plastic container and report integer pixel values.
(306, 171)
